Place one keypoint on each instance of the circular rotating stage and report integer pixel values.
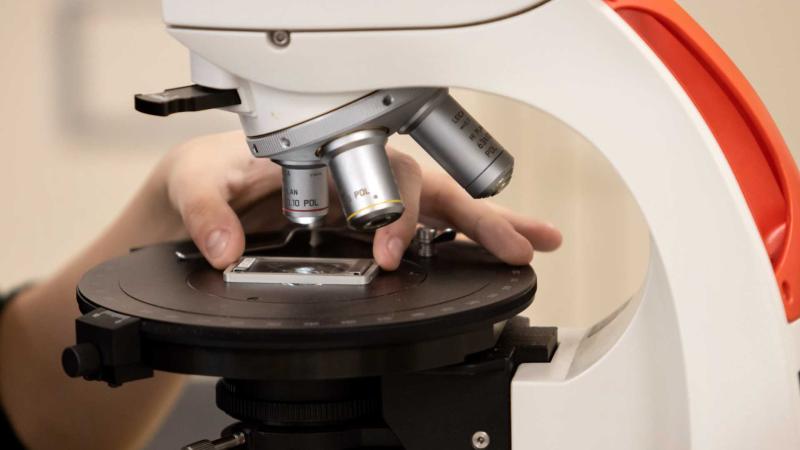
(429, 313)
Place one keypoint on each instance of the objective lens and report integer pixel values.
(364, 179)
(461, 146)
(305, 193)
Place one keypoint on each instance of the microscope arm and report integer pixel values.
(753, 145)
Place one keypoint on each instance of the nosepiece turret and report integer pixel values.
(350, 141)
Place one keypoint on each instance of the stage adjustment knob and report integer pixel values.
(81, 360)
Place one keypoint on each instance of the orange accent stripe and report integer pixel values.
(760, 160)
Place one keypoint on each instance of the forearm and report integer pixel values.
(50, 410)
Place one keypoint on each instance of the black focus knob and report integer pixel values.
(81, 360)
(186, 98)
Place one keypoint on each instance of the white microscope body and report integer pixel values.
(704, 356)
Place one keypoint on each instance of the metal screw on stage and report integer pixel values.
(427, 238)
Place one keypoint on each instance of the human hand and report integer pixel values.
(220, 190)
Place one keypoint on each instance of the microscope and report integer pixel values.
(433, 356)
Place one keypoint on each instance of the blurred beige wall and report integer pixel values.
(73, 149)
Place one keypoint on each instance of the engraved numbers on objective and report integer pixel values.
(304, 199)
(476, 133)
(301, 203)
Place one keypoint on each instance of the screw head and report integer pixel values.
(480, 440)
(281, 38)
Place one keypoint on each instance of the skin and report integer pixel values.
(211, 190)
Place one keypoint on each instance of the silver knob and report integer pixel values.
(427, 238)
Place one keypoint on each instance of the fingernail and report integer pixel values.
(216, 243)
(396, 247)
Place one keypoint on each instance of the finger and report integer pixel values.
(391, 241)
(212, 224)
(223, 160)
(444, 199)
(543, 236)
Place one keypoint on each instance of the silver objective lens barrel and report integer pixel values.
(461, 146)
(364, 179)
(305, 193)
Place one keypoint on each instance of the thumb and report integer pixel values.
(213, 226)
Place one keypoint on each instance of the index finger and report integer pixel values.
(509, 236)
